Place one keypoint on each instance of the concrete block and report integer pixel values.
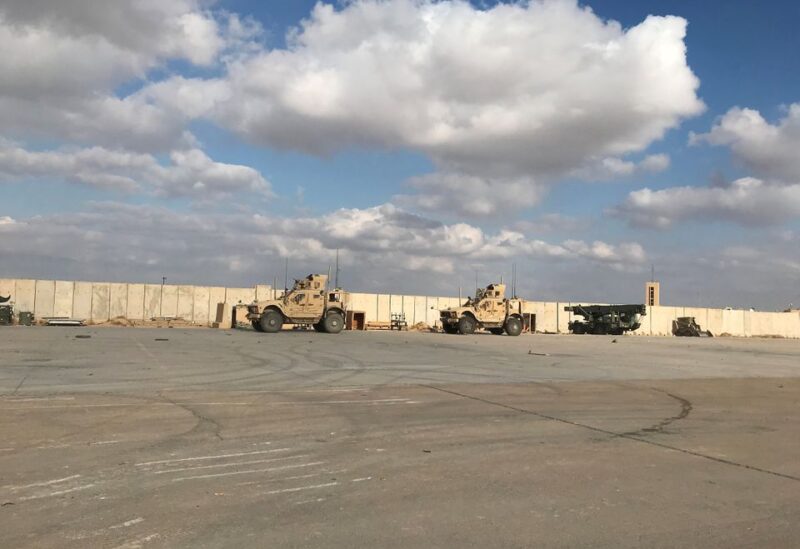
(7, 287)
(263, 292)
(432, 311)
(202, 306)
(135, 302)
(216, 295)
(383, 312)
(65, 295)
(366, 303)
(118, 305)
(152, 301)
(45, 298)
(169, 301)
(185, 302)
(407, 302)
(733, 322)
(395, 304)
(420, 310)
(240, 295)
(82, 301)
(224, 316)
(101, 302)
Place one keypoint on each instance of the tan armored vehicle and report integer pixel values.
(489, 309)
(308, 302)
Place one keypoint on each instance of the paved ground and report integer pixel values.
(235, 439)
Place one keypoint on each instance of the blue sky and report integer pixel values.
(546, 136)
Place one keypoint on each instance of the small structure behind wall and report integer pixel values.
(356, 320)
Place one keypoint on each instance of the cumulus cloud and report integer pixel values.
(190, 172)
(747, 201)
(770, 198)
(382, 241)
(63, 60)
(460, 194)
(768, 150)
(558, 90)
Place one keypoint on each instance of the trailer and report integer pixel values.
(606, 319)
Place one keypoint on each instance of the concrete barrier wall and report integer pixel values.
(44, 299)
(64, 298)
(82, 301)
(101, 301)
(135, 302)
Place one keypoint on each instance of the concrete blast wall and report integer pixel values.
(101, 301)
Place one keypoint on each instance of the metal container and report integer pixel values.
(26, 318)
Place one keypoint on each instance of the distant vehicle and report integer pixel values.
(308, 302)
(489, 309)
(606, 319)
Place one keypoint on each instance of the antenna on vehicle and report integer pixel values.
(327, 280)
(514, 280)
(286, 277)
(336, 285)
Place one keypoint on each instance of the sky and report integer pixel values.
(432, 143)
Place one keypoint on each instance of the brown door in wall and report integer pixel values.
(356, 320)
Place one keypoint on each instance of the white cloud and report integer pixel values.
(384, 241)
(558, 90)
(190, 173)
(746, 201)
(770, 151)
(459, 194)
(615, 168)
(63, 60)
(552, 222)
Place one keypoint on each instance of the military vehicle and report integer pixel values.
(6, 311)
(309, 302)
(606, 319)
(687, 326)
(489, 309)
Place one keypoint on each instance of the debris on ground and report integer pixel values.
(83, 336)
(422, 327)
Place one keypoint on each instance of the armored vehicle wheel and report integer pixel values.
(257, 326)
(496, 331)
(466, 325)
(450, 328)
(333, 323)
(578, 329)
(513, 326)
(318, 327)
(271, 321)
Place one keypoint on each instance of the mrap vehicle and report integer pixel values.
(309, 302)
(489, 309)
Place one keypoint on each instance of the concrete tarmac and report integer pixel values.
(205, 438)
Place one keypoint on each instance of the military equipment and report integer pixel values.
(309, 302)
(686, 326)
(26, 318)
(6, 315)
(606, 319)
(489, 309)
(5, 299)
